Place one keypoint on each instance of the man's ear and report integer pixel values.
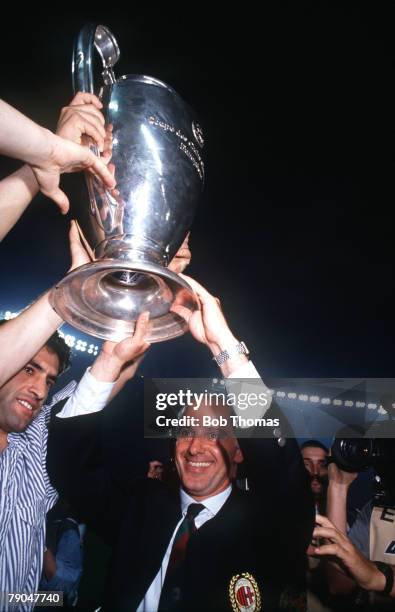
(239, 457)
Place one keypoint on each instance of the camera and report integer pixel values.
(352, 454)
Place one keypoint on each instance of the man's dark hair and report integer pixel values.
(57, 345)
(314, 444)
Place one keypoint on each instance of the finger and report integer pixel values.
(183, 253)
(107, 149)
(84, 241)
(99, 169)
(141, 327)
(330, 549)
(323, 520)
(78, 121)
(111, 168)
(60, 198)
(73, 232)
(78, 254)
(182, 311)
(69, 112)
(106, 156)
(203, 294)
(328, 532)
(135, 345)
(83, 97)
(88, 128)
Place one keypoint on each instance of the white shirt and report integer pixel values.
(91, 395)
(212, 506)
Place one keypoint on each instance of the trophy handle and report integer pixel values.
(107, 47)
(82, 68)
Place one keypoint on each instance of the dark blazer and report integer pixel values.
(263, 532)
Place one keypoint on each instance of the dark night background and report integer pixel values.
(295, 230)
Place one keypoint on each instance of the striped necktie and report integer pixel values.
(171, 594)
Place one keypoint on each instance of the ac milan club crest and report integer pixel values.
(244, 593)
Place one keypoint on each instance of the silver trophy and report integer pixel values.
(136, 229)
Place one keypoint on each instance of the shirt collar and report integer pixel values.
(18, 440)
(213, 503)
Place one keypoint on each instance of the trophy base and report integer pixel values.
(105, 298)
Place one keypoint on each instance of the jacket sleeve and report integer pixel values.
(276, 475)
(77, 470)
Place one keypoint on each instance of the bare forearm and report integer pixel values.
(16, 193)
(21, 138)
(127, 374)
(21, 338)
(336, 505)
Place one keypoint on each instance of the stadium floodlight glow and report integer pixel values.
(280, 394)
(337, 402)
(292, 396)
(314, 399)
(360, 404)
(372, 406)
(78, 344)
(10, 315)
(348, 403)
(326, 401)
(304, 398)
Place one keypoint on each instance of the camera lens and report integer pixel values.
(352, 454)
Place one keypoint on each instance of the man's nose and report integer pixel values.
(38, 386)
(196, 445)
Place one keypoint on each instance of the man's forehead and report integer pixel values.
(47, 360)
(313, 452)
(214, 409)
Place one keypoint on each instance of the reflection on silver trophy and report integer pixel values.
(136, 229)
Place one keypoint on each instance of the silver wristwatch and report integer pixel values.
(237, 349)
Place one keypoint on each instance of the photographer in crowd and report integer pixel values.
(363, 558)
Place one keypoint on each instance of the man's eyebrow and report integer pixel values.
(51, 377)
(36, 365)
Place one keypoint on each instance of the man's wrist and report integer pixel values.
(230, 366)
(42, 149)
(106, 368)
(227, 339)
(382, 578)
(338, 489)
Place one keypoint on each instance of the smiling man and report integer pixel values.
(25, 490)
(206, 545)
(207, 458)
(22, 397)
(26, 493)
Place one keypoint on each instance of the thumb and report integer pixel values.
(60, 198)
